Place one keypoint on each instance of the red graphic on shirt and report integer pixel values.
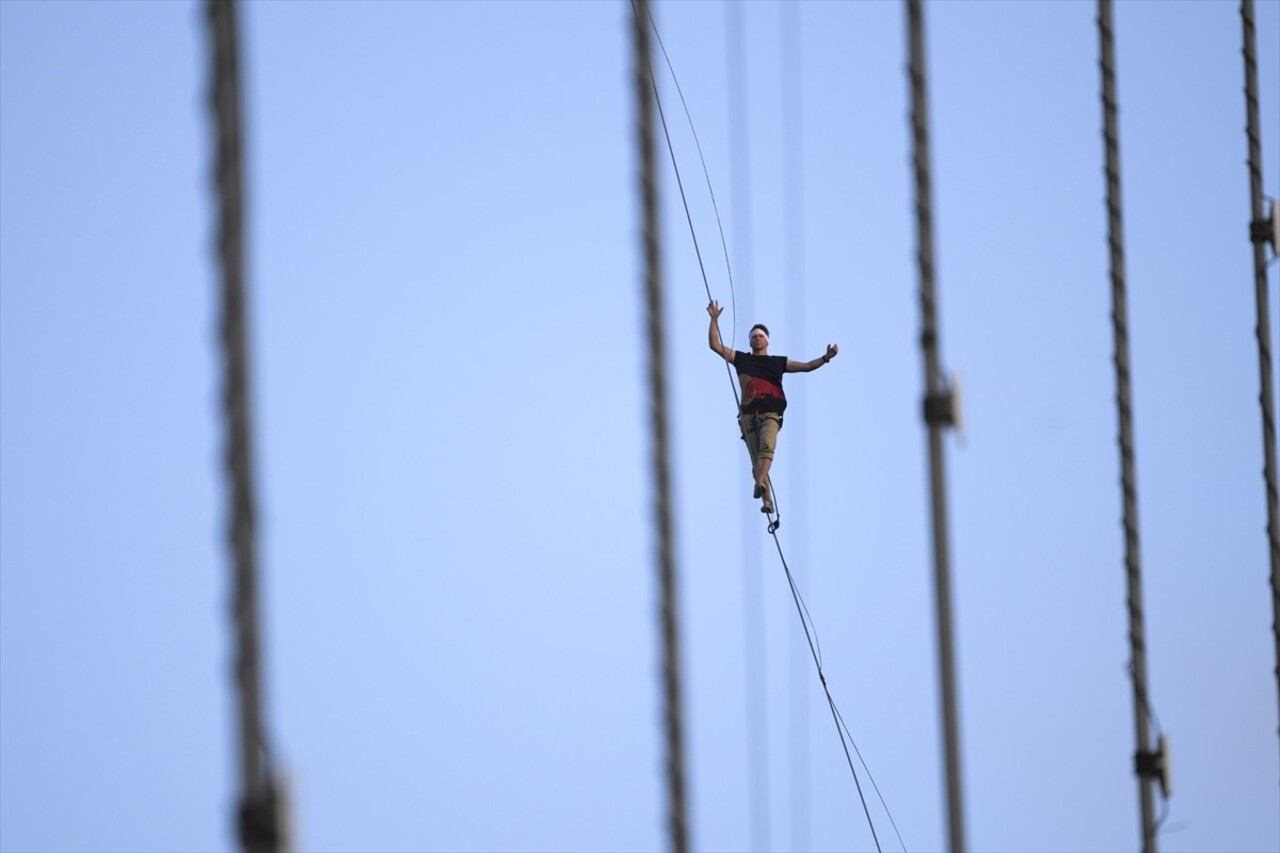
(754, 387)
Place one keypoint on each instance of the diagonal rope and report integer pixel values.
(846, 737)
(706, 173)
(697, 248)
(863, 761)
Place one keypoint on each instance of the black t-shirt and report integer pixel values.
(761, 380)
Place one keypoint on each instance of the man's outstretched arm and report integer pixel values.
(806, 366)
(713, 334)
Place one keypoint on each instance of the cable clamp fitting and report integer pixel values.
(1156, 765)
(939, 408)
(1267, 231)
(943, 407)
(265, 817)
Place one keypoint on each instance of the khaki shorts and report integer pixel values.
(763, 445)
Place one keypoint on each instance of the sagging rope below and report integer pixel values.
(842, 729)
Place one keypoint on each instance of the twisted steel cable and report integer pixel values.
(1124, 409)
(1263, 328)
(934, 390)
(677, 823)
(257, 824)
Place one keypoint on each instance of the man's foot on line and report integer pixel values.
(760, 490)
(767, 509)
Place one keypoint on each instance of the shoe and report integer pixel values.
(759, 492)
(767, 509)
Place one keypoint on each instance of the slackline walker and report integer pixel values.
(760, 409)
(762, 402)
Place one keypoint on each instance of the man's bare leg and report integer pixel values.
(753, 452)
(762, 474)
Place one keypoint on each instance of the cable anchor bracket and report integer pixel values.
(1267, 231)
(1156, 765)
(942, 407)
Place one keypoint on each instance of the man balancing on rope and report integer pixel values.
(760, 413)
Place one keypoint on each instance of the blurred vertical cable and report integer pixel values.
(1259, 228)
(793, 226)
(1144, 759)
(655, 345)
(258, 819)
(756, 688)
(939, 413)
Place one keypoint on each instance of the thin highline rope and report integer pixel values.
(835, 713)
(857, 751)
(653, 80)
(724, 244)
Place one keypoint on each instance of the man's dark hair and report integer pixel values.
(760, 326)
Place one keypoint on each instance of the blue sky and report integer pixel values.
(449, 419)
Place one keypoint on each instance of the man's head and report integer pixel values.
(759, 338)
